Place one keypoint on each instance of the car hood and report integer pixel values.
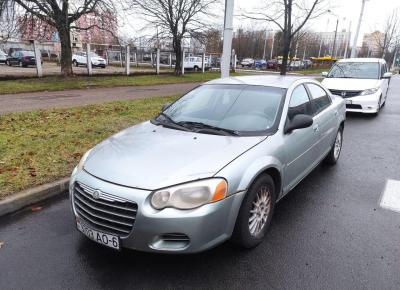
(150, 157)
(350, 84)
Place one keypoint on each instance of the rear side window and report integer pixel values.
(320, 98)
(299, 103)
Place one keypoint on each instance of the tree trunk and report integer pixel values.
(177, 45)
(66, 51)
(285, 52)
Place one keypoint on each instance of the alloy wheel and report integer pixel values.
(259, 212)
(338, 145)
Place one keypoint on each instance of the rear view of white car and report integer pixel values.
(79, 58)
(362, 82)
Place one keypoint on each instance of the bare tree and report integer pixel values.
(62, 15)
(290, 16)
(8, 22)
(176, 19)
(390, 33)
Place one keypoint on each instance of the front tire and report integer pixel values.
(255, 213)
(75, 63)
(334, 154)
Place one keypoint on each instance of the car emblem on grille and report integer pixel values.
(96, 194)
(343, 94)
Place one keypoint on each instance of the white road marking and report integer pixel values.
(390, 198)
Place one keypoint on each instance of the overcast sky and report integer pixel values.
(376, 11)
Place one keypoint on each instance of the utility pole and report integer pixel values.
(354, 47)
(227, 44)
(347, 42)
(272, 45)
(322, 39)
(334, 40)
(265, 44)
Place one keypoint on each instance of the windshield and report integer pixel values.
(355, 70)
(93, 54)
(241, 108)
(28, 53)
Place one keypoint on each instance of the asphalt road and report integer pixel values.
(71, 98)
(328, 233)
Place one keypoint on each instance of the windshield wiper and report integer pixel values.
(170, 123)
(199, 126)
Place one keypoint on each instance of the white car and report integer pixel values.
(196, 63)
(362, 82)
(3, 57)
(249, 62)
(79, 58)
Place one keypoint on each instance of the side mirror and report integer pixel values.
(165, 106)
(299, 121)
(324, 73)
(387, 75)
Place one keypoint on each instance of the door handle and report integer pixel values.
(316, 128)
(336, 113)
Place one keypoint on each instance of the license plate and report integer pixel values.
(99, 237)
(349, 102)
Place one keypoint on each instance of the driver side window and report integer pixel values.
(299, 103)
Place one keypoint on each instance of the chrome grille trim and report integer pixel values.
(100, 202)
(107, 213)
(348, 94)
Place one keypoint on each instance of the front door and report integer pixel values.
(300, 145)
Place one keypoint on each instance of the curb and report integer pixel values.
(33, 195)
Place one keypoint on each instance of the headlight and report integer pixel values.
(369, 92)
(83, 159)
(190, 195)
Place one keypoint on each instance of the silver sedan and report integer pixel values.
(210, 167)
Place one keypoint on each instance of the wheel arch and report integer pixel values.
(276, 176)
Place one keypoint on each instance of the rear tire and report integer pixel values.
(255, 213)
(75, 63)
(334, 154)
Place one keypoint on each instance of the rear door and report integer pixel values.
(299, 145)
(325, 118)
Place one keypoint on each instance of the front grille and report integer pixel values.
(347, 94)
(352, 106)
(106, 213)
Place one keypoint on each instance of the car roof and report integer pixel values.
(261, 80)
(362, 60)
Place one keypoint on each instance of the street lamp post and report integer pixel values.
(227, 43)
(354, 47)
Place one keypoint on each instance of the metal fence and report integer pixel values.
(118, 60)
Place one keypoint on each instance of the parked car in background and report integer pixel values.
(22, 58)
(307, 63)
(362, 82)
(211, 166)
(247, 62)
(3, 57)
(260, 64)
(79, 58)
(273, 64)
(296, 65)
(196, 63)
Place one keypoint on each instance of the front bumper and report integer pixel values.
(364, 104)
(192, 231)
